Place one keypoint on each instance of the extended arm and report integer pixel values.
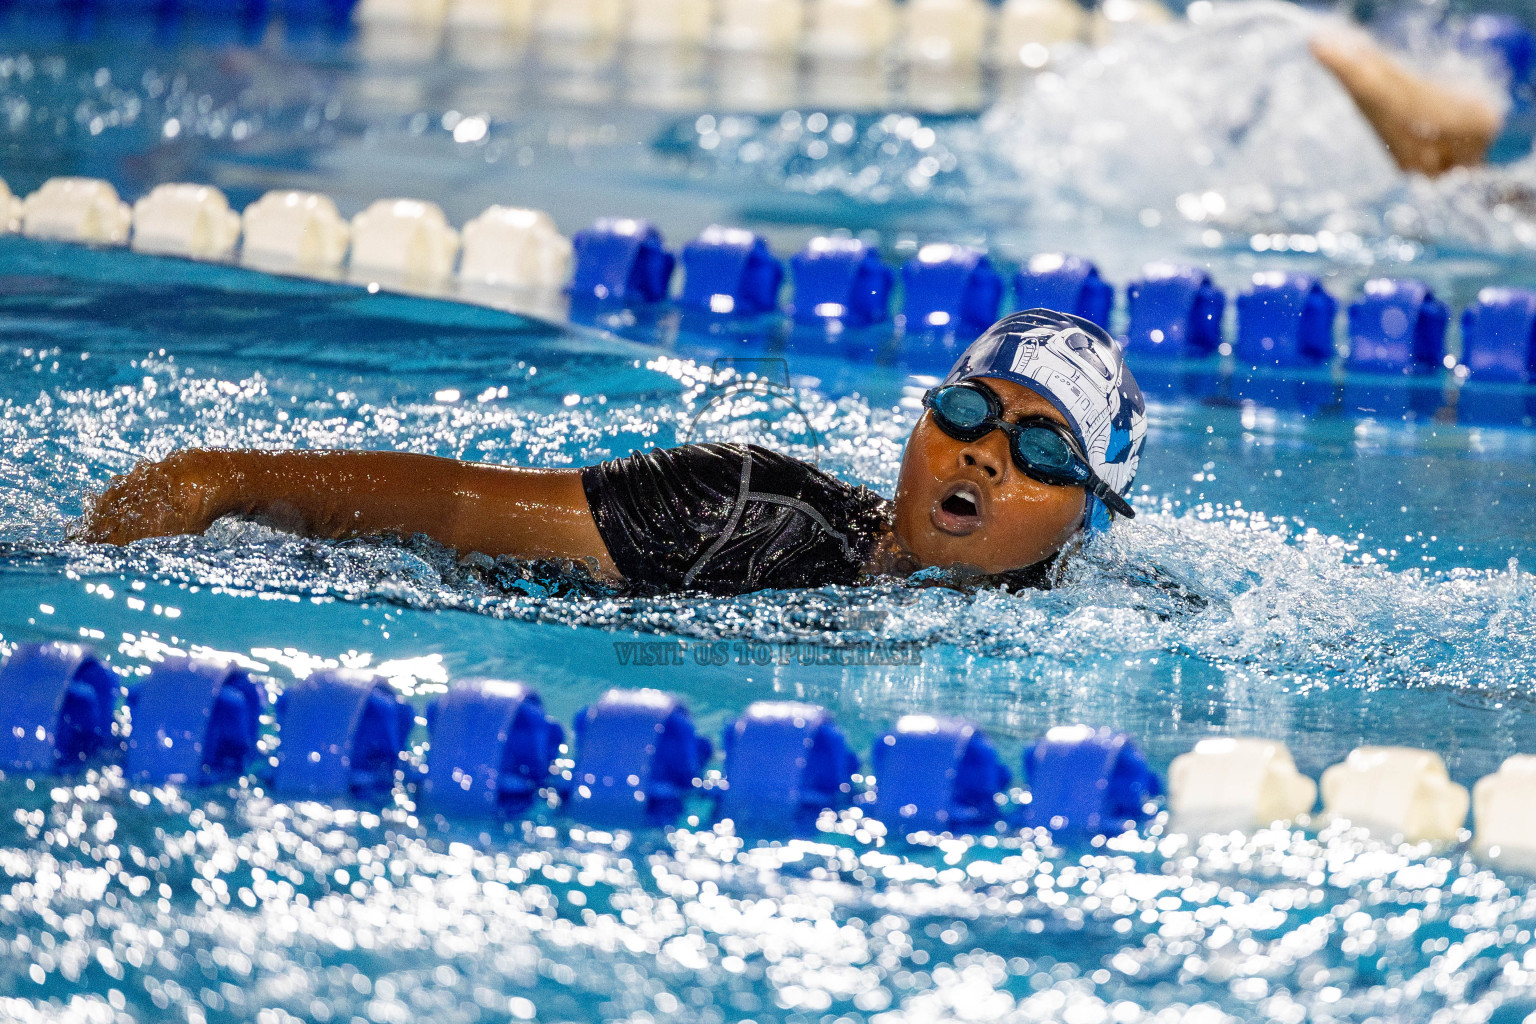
(468, 506)
(1428, 127)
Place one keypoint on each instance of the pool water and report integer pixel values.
(1330, 577)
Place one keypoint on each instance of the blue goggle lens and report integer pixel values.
(968, 413)
(1046, 452)
(964, 408)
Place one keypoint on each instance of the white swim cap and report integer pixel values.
(1077, 367)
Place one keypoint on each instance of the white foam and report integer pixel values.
(1234, 107)
(1113, 18)
(1398, 790)
(302, 230)
(185, 220)
(77, 210)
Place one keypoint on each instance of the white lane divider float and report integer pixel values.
(581, 19)
(502, 16)
(850, 29)
(670, 22)
(516, 248)
(77, 210)
(943, 31)
(185, 220)
(298, 231)
(1237, 783)
(759, 26)
(10, 209)
(946, 31)
(1027, 29)
(1397, 790)
(401, 12)
(1504, 807)
(407, 237)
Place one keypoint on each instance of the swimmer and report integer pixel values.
(1030, 443)
(1428, 127)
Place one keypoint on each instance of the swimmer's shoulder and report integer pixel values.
(865, 510)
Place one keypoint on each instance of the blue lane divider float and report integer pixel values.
(637, 757)
(784, 761)
(1175, 312)
(492, 748)
(936, 774)
(342, 733)
(56, 704)
(950, 289)
(1065, 283)
(840, 280)
(730, 271)
(1087, 781)
(1396, 327)
(1498, 335)
(621, 260)
(194, 722)
(1285, 319)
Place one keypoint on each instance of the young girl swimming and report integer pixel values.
(1032, 440)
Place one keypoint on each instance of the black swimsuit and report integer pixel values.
(731, 518)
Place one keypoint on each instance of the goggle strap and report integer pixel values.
(1099, 488)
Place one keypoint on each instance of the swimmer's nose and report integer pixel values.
(982, 455)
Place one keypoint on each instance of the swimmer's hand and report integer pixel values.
(185, 493)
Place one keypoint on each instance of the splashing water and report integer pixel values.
(1230, 122)
(1234, 580)
(1321, 581)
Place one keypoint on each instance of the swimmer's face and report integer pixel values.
(1010, 521)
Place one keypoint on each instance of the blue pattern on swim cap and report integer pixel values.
(1077, 367)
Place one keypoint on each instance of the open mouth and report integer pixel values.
(958, 512)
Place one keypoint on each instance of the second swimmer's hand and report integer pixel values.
(184, 493)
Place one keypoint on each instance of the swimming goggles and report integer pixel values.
(1042, 448)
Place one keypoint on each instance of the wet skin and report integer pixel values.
(1016, 521)
(534, 513)
(468, 506)
(1428, 127)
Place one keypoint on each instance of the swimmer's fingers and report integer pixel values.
(156, 499)
(129, 509)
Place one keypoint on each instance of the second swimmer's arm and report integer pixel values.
(468, 506)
